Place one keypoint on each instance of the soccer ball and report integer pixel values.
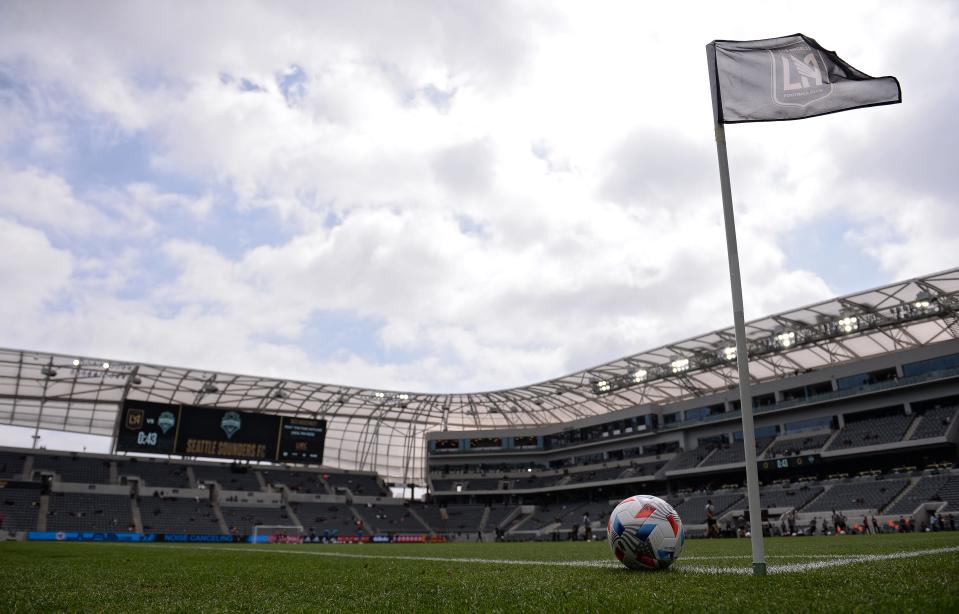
(645, 532)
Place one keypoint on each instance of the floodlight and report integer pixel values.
(403, 397)
(923, 300)
(679, 365)
(106, 366)
(786, 339)
(379, 395)
(639, 375)
(848, 324)
(76, 362)
(603, 386)
(49, 371)
(729, 353)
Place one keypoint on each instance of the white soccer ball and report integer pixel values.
(645, 532)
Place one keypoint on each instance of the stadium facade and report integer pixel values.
(856, 401)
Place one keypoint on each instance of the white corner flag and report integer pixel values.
(775, 79)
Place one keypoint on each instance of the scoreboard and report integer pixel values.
(188, 430)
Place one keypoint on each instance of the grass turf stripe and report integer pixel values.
(833, 561)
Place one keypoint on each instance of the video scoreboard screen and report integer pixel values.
(187, 430)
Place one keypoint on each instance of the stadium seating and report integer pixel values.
(161, 474)
(89, 512)
(297, 481)
(318, 517)
(687, 459)
(794, 496)
(535, 481)
(11, 465)
(596, 475)
(391, 519)
(497, 516)
(693, 509)
(228, 477)
(483, 484)
(73, 468)
(935, 422)
(794, 446)
(173, 515)
(871, 432)
(19, 508)
(460, 518)
(926, 489)
(858, 495)
(444, 485)
(734, 453)
(243, 519)
(644, 469)
(358, 483)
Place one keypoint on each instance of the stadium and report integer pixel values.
(856, 401)
(299, 303)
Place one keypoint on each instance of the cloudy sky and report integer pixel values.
(442, 196)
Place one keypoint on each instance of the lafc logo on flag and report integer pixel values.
(800, 76)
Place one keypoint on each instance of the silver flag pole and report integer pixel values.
(739, 323)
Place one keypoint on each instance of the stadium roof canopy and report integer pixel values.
(384, 430)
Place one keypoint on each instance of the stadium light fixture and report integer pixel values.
(729, 353)
(679, 365)
(106, 366)
(76, 362)
(639, 375)
(603, 385)
(848, 324)
(379, 395)
(48, 371)
(923, 300)
(786, 339)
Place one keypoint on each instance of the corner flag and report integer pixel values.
(790, 77)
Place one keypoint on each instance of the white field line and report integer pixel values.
(834, 561)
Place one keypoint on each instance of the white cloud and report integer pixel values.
(501, 193)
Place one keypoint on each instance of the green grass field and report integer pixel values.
(533, 577)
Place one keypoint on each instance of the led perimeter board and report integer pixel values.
(187, 430)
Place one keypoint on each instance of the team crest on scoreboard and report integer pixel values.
(135, 419)
(166, 421)
(230, 423)
(800, 76)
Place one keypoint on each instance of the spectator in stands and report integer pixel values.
(712, 530)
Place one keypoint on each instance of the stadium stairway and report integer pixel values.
(912, 428)
(419, 519)
(193, 484)
(135, 514)
(27, 466)
(43, 512)
(368, 528)
(484, 519)
(215, 504)
(912, 481)
(289, 509)
(506, 522)
(825, 488)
